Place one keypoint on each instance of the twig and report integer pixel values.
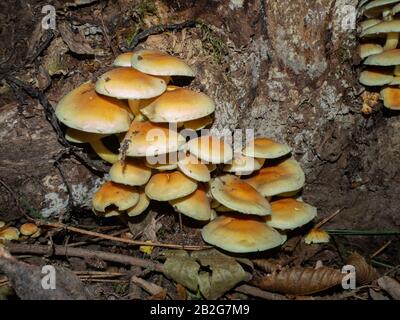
(151, 288)
(159, 29)
(255, 292)
(128, 241)
(58, 250)
(346, 232)
(328, 218)
(77, 244)
(381, 249)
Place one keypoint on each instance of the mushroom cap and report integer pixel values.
(9, 234)
(160, 64)
(163, 162)
(369, 49)
(265, 148)
(77, 136)
(179, 105)
(123, 60)
(242, 165)
(150, 139)
(241, 234)
(130, 172)
(119, 195)
(237, 195)
(108, 213)
(383, 27)
(196, 205)
(128, 83)
(139, 207)
(375, 77)
(316, 236)
(287, 176)
(368, 23)
(166, 186)
(198, 124)
(377, 4)
(2, 224)
(28, 229)
(210, 149)
(83, 109)
(288, 214)
(386, 58)
(193, 168)
(391, 98)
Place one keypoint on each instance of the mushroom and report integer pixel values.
(9, 234)
(378, 8)
(391, 28)
(128, 83)
(368, 49)
(391, 98)
(140, 206)
(150, 139)
(130, 172)
(243, 165)
(210, 149)
(265, 148)
(288, 214)
(285, 177)
(241, 234)
(316, 235)
(237, 195)
(193, 168)
(198, 124)
(114, 194)
(376, 77)
(163, 162)
(166, 186)
(28, 229)
(158, 63)
(91, 116)
(123, 60)
(196, 205)
(368, 23)
(179, 105)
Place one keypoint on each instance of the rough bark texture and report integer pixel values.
(288, 73)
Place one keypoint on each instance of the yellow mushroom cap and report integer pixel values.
(288, 214)
(128, 83)
(160, 64)
(9, 234)
(123, 60)
(166, 186)
(179, 105)
(28, 229)
(375, 77)
(119, 195)
(210, 149)
(163, 162)
(386, 58)
(287, 176)
(241, 234)
(193, 168)
(376, 7)
(150, 139)
(368, 49)
(108, 213)
(77, 136)
(265, 148)
(368, 23)
(141, 206)
(198, 124)
(391, 98)
(316, 236)
(2, 224)
(83, 109)
(236, 194)
(243, 165)
(130, 172)
(196, 205)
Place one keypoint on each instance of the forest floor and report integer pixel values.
(109, 258)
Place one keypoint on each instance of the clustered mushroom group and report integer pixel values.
(245, 195)
(379, 49)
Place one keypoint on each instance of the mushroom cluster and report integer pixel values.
(379, 49)
(245, 196)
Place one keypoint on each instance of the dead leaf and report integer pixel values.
(300, 281)
(209, 271)
(365, 273)
(181, 291)
(54, 62)
(267, 265)
(75, 41)
(391, 286)
(26, 281)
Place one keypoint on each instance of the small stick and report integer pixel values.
(151, 288)
(128, 241)
(379, 251)
(330, 217)
(256, 292)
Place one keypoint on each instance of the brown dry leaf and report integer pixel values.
(300, 281)
(182, 293)
(75, 41)
(162, 295)
(365, 273)
(267, 265)
(391, 286)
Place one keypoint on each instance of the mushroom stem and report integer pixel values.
(103, 152)
(392, 41)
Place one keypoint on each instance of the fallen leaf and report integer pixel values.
(391, 286)
(300, 281)
(54, 62)
(75, 41)
(267, 265)
(181, 291)
(365, 273)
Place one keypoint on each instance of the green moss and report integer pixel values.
(213, 45)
